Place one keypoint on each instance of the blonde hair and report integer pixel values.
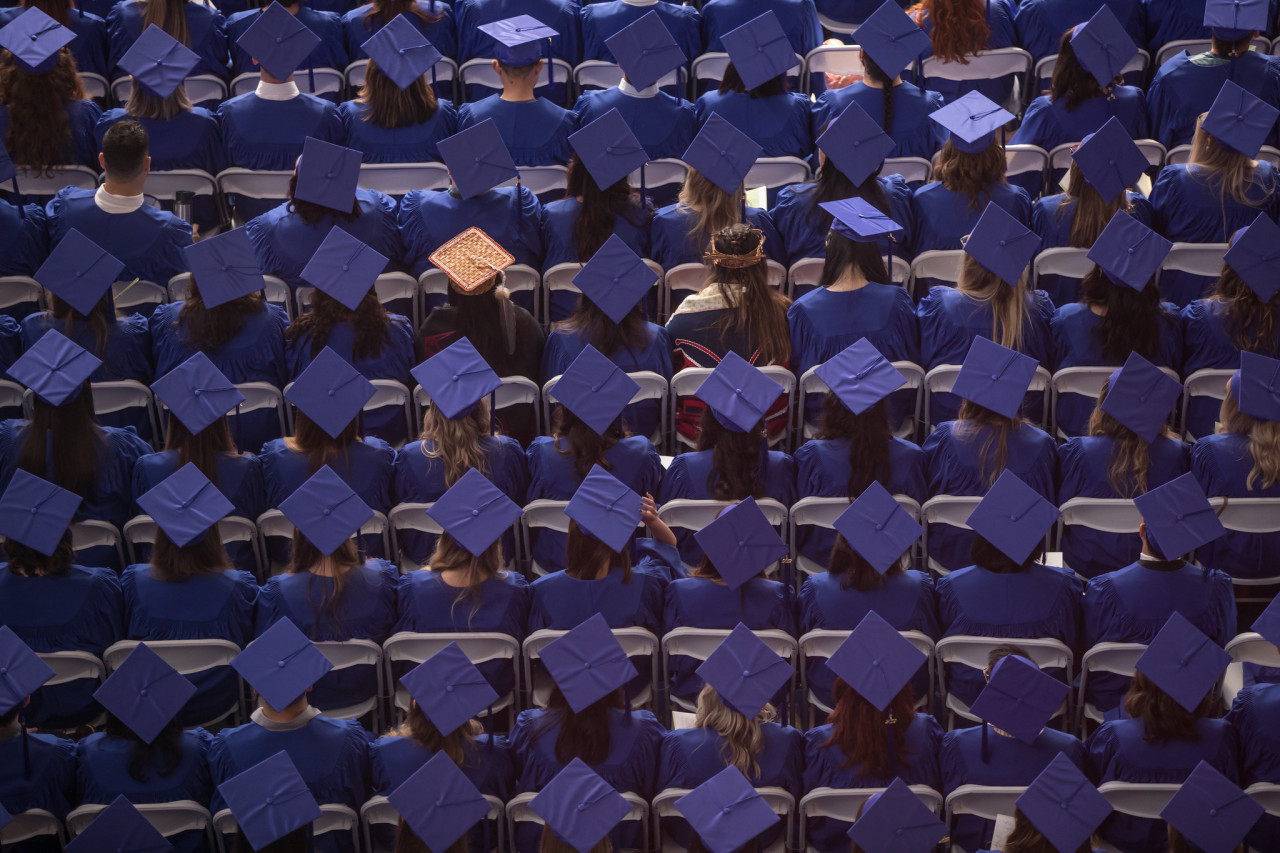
(1234, 172)
(476, 569)
(993, 455)
(1008, 304)
(743, 739)
(1130, 455)
(1264, 441)
(457, 440)
(713, 208)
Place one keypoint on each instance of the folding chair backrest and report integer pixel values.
(186, 656)
(33, 823)
(1139, 799)
(164, 185)
(94, 533)
(71, 666)
(1025, 160)
(409, 648)
(939, 264)
(653, 386)
(985, 801)
(660, 173)
(390, 394)
(399, 179)
(916, 170)
(1202, 259)
(479, 72)
(635, 642)
(541, 514)
(842, 59)
(1208, 383)
(1195, 46)
(775, 172)
(21, 290)
(169, 818)
(34, 183)
(1111, 658)
(410, 516)
(983, 65)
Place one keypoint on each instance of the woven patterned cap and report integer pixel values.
(471, 259)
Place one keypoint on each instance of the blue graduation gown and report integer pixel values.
(78, 611)
(1209, 342)
(510, 215)
(51, 784)
(536, 132)
(357, 29)
(208, 37)
(664, 124)
(794, 216)
(1118, 752)
(1186, 85)
(560, 216)
(1041, 23)
(563, 16)
(148, 241)
(1253, 715)
(10, 350)
(1049, 123)
(914, 134)
(1002, 34)
(1051, 218)
(81, 117)
(601, 20)
(561, 602)
(942, 216)
(778, 123)
(1221, 464)
(488, 767)
(413, 144)
(189, 140)
(799, 20)
(641, 419)
(127, 354)
(822, 769)
(1132, 604)
(331, 52)
(1083, 465)
(1174, 20)
(207, 606)
(673, 242)
(88, 49)
(24, 242)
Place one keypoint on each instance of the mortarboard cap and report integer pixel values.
(1019, 698)
(1013, 517)
(270, 800)
(1183, 662)
(36, 512)
(595, 389)
(876, 661)
(326, 510)
(726, 811)
(281, 664)
(580, 807)
(1256, 386)
(439, 802)
(760, 50)
(22, 672)
(895, 821)
(646, 50)
(1063, 804)
(1240, 120)
(35, 40)
(449, 689)
(722, 154)
(330, 392)
(472, 261)
(327, 176)
(878, 528)
(608, 149)
(1179, 517)
(741, 543)
(891, 38)
(474, 512)
(517, 41)
(859, 220)
(994, 377)
(278, 41)
(120, 827)
(344, 267)
(1253, 255)
(605, 508)
(855, 143)
(186, 504)
(1110, 160)
(1128, 251)
(1001, 244)
(225, 267)
(1235, 19)
(972, 121)
(1267, 624)
(477, 158)
(1140, 396)
(78, 271)
(1211, 811)
(738, 393)
(744, 671)
(615, 278)
(401, 52)
(197, 392)
(860, 376)
(55, 367)
(587, 663)
(145, 693)
(1102, 46)
(158, 62)
(456, 379)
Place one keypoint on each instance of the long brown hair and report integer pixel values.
(305, 556)
(449, 555)
(993, 455)
(311, 213)
(202, 449)
(1090, 214)
(371, 324)
(383, 12)
(144, 105)
(488, 320)
(418, 727)
(459, 442)
(868, 435)
(59, 10)
(735, 458)
(959, 27)
(1130, 454)
(987, 556)
(79, 443)
(1253, 325)
(732, 82)
(40, 135)
(1025, 838)
(320, 447)
(100, 320)
(584, 555)
(855, 572)
(27, 562)
(831, 184)
(743, 739)
(161, 756)
(597, 328)
(1131, 320)
(843, 254)
(584, 734)
(971, 175)
(578, 442)
(601, 208)
(1264, 441)
(173, 563)
(170, 16)
(713, 209)
(1008, 304)
(858, 729)
(390, 106)
(1163, 719)
(755, 309)
(1071, 84)
(210, 329)
(1233, 172)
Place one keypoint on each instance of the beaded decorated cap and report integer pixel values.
(472, 261)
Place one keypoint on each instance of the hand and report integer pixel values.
(840, 81)
(656, 526)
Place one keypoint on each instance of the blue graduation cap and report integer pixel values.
(119, 827)
(439, 802)
(1102, 46)
(186, 504)
(330, 391)
(741, 543)
(739, 393)
(23, 670)
(1140, 396)
(145, 693)
(449, 689)
(580, 806)
(1234, 19)
(278, 41)
(78, 271)
(401, 52)
(1019, 698)
(197, 392)
(1110, 160)
(1211, 811)
(891, 38)
(1253, 255)
(595, 389)
(517, 41)
(860, 376)
(972, 120)
(327, 175)
(1256, 386)
(876, 661)
(1063, 804)
(615, 278)
(1013, 517)
(224, 267)
(605, 508)
(326, 510)
(722, 154)
(1001, 244)
(1240, 120)
(35, 39)
(744, 671)
(1179, 517)
(477, 158)
(759, 50)
(895, 821)
(1267, 624)
(457, 378)
(474, 512)
(994, 377)
(270, 800)
(344, 267)
(281, 664)
(608, 149)
(159, 62)
(726, 811)
(587, 663)
(55, 367)
(646, 50)
(878, 528)
(1128, 251)
(36, 512)
(855, 143)
(1183, 662)
(859, 220)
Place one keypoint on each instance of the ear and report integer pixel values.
(493, 63)
(102, 161)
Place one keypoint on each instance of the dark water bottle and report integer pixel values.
(183, 201)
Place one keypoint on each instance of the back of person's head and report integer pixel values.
(160, 757)
(210, 329)
(581, 444)
(144, 105)
(831, 184)
(991, 558)
(1090, 213)
(59, 10)
(203, 449)
(173, 563)
(735, 458)
(861, 731)
(1251, 324)
(326, 599)
(320, 448)
(842, 255)
(993, 430)
(585, 555)
(713, 209)
(1264, 442)
(370, 325)
(457, 442)
(101, 320)
(72, 432)
(1071, 84)
(391, 107)
(1130, 454)
(449, 555)
(25, 561)
(170, 16)
(1231, 48)
(1008, 305)
(40, 134)
(1001, 652)
(855, 572)
(312, 213)
(960, 27)
(1179, 844)
(584, 734)
(1025, 838)
(868, 435)
(969, 174)
(732, 82)
(125, 149)
(739, 270)
(597, 328)
(418, 727)
(488, 318)
(1163, 719)
(1228, 173)
(601, 208)
(742, 738)
(1131, 321)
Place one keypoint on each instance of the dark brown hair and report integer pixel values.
(173, 563)
(993, 455)
(125, 146)
(210, 329)
(371, 324)
(597, 328)
(1163, 719)
(383, 12)
(418, 727)
(989, 557)
(1132, 318)
(390, 106)
(831, 184)
(202, 449)
(1130, 454)
(1252, 324)
(170, 16)
(732, 82)
(601, 208)
(100, 320)
(1072, 85)
(855, 572)
(304, 556)
(876, 73)
(971, 175)
(29, 563)
(754, 308)
(584, 734)
(735, 458)
(163, 755)
(311, 213)
(868, 435)
(1091, 214)
(79, 443)
(144, 105)
(576, 441)
(584, 555)
(320, 448)
(40, 135)
(1025, 838)
(858, 729)
(843, 253)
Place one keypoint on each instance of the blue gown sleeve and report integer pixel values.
(271, 608)
(516, 472)
(416, 247)
(1164, 198)
(1101, 750)
(674, 483)
(926, 765)
(651, 474)
(793, 768)
(673, 771)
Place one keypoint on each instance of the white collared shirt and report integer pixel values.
(109, 203)
(641, 2)
(276, 91)
(625, 87)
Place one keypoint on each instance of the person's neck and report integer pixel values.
(124, 188)
(872, 83)
(518, 94)
(289, 714)
(851, 279)
(457, 578)
(327, 567)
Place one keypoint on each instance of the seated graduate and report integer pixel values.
(1180, 20)
(432, 19)
(729, 587)
(89, 47)
(201, 29)
(275, 824)
(1252, 711)
(1067, 829)
(602, 21)
(24, 246)
(1040, 23)
(332, 756)
(799, 20)
(535, 130)
(1194, 813)
(588, 430)
(1132, 604)
(477, 35)
(331, 52)
(397, 116)
(958, 29)
(1011, 746)
(753, 822)
(874, 733)
(116, 216)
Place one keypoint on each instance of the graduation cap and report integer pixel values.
(326, 510)
(605, 508)
(78, 271)
(1110, 160)
(1001, 244)
(1267, 624)
(738, 393)
(35, 39)
(759, 50)
(1102, 46)
(1140, 396)
(281, 664)
(327, 176)
(741, 543)
(518, 40)
(587, 663)
(891, 38)
(159, 62)
(1128, 251)
(145, 693)
(224, 267)
(55, 367)
(456, 379)
(895, 821)
(22, 672)
(608, 149)
(1211, 811)
(876, 661)
(197, 392)
(646, 50)
(1239, 120)
(860, 376)
(1183, 662)
(878, 528)
(855, 143)
(330, 392)
(972, 121)
(278, 41)
(744, 671)
(1253, 255)
(344, 267)
(270, 800)
(449, 689)
(36, 512)
(1256, 386)
(1019, 698)
(994, 377)
(595, 389)
(401, 52)
(186, 504)
(1179, 517)
(722, 154)
(1234, 19)
(615, 278)
(1013, 517)
(859, 220)
(1063, 804)
(472, 261)
(477, 158)
(580, 807)
(119, 827)
(726, 811)
(474, 512)
(439, 802)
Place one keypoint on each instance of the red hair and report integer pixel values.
(959, 27)
(858, 729)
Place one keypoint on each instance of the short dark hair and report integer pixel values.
(124, 148)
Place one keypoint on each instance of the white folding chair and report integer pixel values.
(541, 514)
(1207, 383)
(95, 533)
(686, 514)
(983, 65)
(273, 524)
(1066, 261)
(941, 379)
(479, 72)
(639, 645)
(973, 651)
(1138, 799)
(515, 391)
(169, 818)
(164, 185)
(1025, 160)
(686, 382)
(334, 817)
(660, 173)
(951, 510)
(480, 647)
(822, 644)
(1044, 71)
(916, 170)
(409, 516)
(842, 59)
(391, 394)
(1201, 259)
(600, 74)
(399, 179)
(129, 296)
(939, 264)
(845, 804)
(519, 811)
(1256, 516)
(33, 823)
(811, 383)
(1108, 515)
(700, 643)
(709, 68)
(559, 278)
(261, 185)
(274, 289)
(96, 87)
(20, 289)
(257, 396)
(1083, 381)
(346, 654)
(1268, 796)
(1195, 46)
(72, 666)
(188, 657)
(378, 812)
(806, 272)
(1113, 658)
(780, 801)
(823, 512)
(540, 180)
(1245, 648)
(11, 395)
(394, 287)
(775, 172)
(983, 801)
(444, 71)
(653, 386)
(34, 183)
(141, 530)
(685, 278)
